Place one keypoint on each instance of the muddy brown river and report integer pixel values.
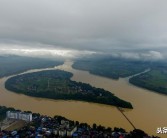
(149, 110)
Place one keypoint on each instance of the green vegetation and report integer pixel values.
(155, 80)
(16, 64)
(56, 84)
(3, 111)
(111, 67)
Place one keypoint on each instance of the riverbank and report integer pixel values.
(148, 112)
(58, 126)
(155, 80)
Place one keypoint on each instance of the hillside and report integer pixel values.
(15, 64)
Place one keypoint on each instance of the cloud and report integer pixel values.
(49, 51)
(42, 52)
(88, 25)
(152, 55)
(140, 55)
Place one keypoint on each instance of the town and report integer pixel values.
(40, 126)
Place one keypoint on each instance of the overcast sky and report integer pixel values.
(89, 25)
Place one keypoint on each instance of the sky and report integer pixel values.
(127, 28)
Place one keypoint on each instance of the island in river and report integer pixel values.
(56, 84)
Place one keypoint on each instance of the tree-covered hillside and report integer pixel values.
(15, 64)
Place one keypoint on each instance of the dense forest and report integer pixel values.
(56, 84)
(15, 64)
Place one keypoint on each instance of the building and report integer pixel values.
(25, 116)
(71, 131)
(12, 115)
(56, 131)
(62, 132)
(19, 115)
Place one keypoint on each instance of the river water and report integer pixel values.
(149, 108)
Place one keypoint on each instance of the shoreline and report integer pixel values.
(102, 114)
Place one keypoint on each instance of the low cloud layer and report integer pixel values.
(146, 56)
(52, 52)
(49, 52)
(84, 25)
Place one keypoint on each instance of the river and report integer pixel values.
(149, 108)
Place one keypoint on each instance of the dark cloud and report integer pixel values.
(89, 25)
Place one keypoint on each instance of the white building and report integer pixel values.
(19, 115)
(12, 115)
(25, 116)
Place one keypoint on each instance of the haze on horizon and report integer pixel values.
(131, 28)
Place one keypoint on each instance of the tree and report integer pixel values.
(94, 126)
(76, 123)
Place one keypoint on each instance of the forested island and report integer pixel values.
(56, 84)
(16, 64)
